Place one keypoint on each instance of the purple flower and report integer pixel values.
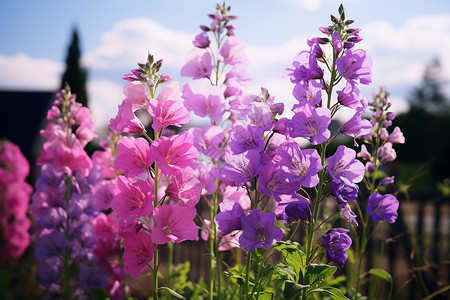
(309, 91)
(348, 214)
(260, 115)
(53, 217)
(52, 244)
(198, 64)
(300, 165)
(335, 242)
(343, 166)
(387, 180)
(232, 51)
(304, 68)
(296, 211)
(92, 277)
(207, 102)
(337, 44)
(311, 122)
(229, 220)
(349, 96)
(258, 230)
(383, 207)
(272, 182)
(244, 137)
(240, 168)
(386, 153)
(344, 192)
(355, 65)
(201, 40)
(50, 271)
(356, 126)
(209, 140)
(396, 137)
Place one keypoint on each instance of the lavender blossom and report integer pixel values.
(335, 242)
(383, 207)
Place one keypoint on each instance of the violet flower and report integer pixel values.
(335, 242)
(355, 65)
(343, 166)
(258, 230)
(383, 207)
(311, 122)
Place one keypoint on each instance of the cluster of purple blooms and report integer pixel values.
(65, 204)
(381, 207)
(15, 194)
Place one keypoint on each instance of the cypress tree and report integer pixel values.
(75, 75)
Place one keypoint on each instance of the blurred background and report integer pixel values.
(92, 44)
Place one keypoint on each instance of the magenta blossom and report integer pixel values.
(175, 153)
(232, 51)
(201, 40)
(126, 121)
(198, 64)
(272, 182)
(311, 122)
(207, 102)
(185, 187)
(136, 94)
(168, 108)
(174, 223)
(383, 207)
(355, 65)
(138, 251)
(133, 198)
(258, 230)
(133, 156)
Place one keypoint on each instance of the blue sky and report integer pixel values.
(401, 36)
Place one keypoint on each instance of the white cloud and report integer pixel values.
(105, 96)
(401, 53)
(310, 5)
(23, 72)
(129, 40)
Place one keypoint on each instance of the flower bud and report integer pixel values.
(201, 40)
(384, 134)
(387, 180)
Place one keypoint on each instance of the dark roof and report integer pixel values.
(21, 115)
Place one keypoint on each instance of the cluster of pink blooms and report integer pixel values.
(156, 195)
(15, 194)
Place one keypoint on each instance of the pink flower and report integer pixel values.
(168, 108)
(105, 160)
(132, 198)
(174, 223)
(396, 137)
(66, 159)
(209, 140)
(136, 94)
(133, 156)
(86, 129)
(185, 187)
(233, 51)
(138, 251)
(198, 64)
(126, 120)
(386, 153)
(175, 153)
(208, 102)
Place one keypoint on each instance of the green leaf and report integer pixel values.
(293, 289)
(316, 273)
(333, 292)
(381, 273)
(172, 292)
(293, 255)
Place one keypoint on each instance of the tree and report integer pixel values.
(75, 75)
(429, 95)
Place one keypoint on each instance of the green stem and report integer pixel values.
(170, 263)
(155, 273)
(155, 204)
(247, 273)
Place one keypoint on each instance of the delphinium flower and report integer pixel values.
(64, 203)
(155, 197)
(323, 84)
(336, 242)
(15, 194)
